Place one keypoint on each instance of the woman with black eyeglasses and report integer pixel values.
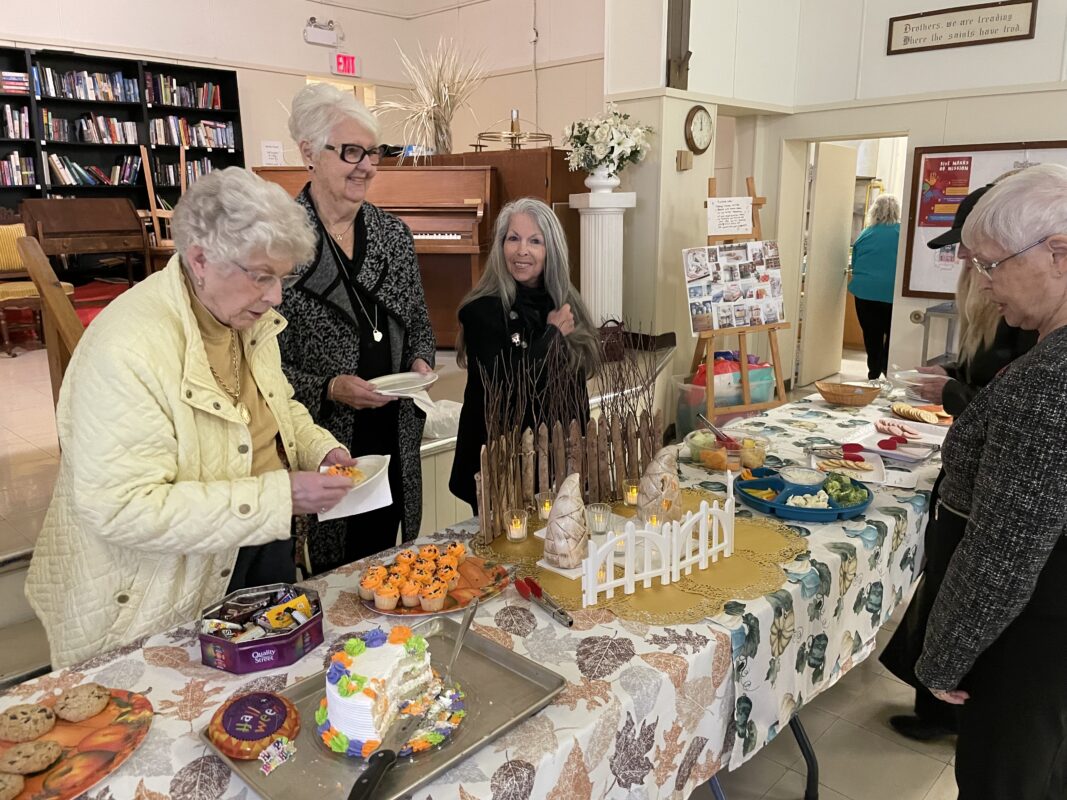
(357, 312)
(996, 641)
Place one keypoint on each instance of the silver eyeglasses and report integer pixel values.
(354, 153)
(986, 267)
(266, 280)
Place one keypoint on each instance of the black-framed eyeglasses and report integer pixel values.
(266, 280)
(354, 153)
(986, 267)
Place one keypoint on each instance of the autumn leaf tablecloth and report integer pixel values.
(647, 712)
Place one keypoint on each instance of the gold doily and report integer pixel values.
(760, 547)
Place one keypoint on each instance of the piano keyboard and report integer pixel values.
(437, 236)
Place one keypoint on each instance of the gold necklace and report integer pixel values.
(234, 394)
(344, 233)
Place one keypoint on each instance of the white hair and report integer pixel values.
(233, 213)
(319, 107)
(884, 211)
(1020, 209)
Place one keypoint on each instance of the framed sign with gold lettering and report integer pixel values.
(962, 26)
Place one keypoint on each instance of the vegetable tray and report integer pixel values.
(769, 479)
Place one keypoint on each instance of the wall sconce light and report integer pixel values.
(327, 33)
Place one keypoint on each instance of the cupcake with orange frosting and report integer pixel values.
(406, 557)
(423, 577)
(425, 563)
(400, 569)
(429, 552)
(409, 594)
(432, 597)
(458, 551)
(447, 561)
(448, 576)
(397, 580)
(386, 597)
(368, 584)
(376, 569)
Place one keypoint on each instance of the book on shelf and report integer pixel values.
(88, 128)
(17, 170)
(170, 174)
(16, 122)
(14, 82)
(64, 171)
(166, 90)
(177, 131)
(84, 85)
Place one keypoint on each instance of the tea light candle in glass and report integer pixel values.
(630, 492)
(544, 504)
(517, 525)
(598, 517)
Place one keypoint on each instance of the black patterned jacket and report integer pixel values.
(322, 341)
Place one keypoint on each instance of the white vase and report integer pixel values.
(600, 182)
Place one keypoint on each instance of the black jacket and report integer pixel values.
(522, 336)
(969, 376)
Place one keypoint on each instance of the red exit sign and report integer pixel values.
(345, 64)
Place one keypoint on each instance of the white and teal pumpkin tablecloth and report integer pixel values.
(648, 712)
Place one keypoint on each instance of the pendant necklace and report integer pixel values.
(343, 233)
(234, 394)
(376, 334)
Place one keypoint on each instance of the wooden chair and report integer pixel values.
(160, 240)
(17, 292)
(62, 328)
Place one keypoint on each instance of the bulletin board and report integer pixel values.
(940, 178)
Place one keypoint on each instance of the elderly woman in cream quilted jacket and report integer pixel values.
(184, 455)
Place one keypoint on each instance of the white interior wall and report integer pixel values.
(635, 45)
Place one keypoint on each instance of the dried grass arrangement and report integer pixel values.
(442, 82)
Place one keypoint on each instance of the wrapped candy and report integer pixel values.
(565, 532)
(659, 492)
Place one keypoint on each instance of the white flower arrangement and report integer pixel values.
(609, 140)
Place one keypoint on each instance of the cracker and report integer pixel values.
(82, 702)
(10, 786)
(24, 723)
(28, 757)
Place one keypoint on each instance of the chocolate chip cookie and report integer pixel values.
(10, 786)
(82, 702)
(24, 723)
(27, 757)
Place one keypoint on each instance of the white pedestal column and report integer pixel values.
(601, 257)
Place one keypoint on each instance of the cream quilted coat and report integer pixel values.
(154, 497)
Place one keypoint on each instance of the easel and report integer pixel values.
(706, 339)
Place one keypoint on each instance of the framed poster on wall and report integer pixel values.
(940, 178)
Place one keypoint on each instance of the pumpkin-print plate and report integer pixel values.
(92, 749)
(477, 578)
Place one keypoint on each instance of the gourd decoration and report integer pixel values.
(659, 492)
(566, 532)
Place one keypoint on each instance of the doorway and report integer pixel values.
(844, 178)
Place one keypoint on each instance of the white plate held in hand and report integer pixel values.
(403, 383)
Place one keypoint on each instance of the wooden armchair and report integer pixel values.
(62, 328)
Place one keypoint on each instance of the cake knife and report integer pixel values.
(383, 759)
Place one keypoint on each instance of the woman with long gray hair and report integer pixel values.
(522, 305)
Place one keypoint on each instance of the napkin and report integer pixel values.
(368, 496)
(422, 400)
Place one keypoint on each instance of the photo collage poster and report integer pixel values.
(733, 285)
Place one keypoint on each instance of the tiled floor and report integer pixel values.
(860, 757)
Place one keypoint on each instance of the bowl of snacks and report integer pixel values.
(706, 450)
(753, 449)
(802, 477)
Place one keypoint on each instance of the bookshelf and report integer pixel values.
(87, 115)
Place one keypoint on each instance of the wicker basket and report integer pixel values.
(846, 394)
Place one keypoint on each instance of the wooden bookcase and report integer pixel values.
(141, 111)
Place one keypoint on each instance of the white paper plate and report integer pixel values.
(372, 493)
(911, 377)
(911, 455)
(876, 475)
(403, 383)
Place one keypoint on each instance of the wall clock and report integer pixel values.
(699, 129)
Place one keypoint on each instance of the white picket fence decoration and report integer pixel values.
(669, 550)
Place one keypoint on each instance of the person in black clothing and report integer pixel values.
(987, 345)
(523, 303)
(357, 312)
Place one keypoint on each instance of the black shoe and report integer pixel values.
(917, 728)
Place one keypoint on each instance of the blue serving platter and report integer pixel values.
(769, 479)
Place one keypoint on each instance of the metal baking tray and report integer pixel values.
(503, 689)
